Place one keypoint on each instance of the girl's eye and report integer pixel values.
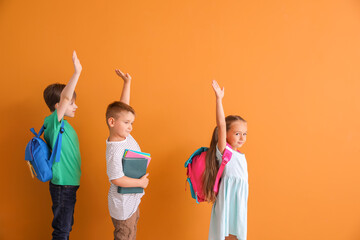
(245, 134)
(237, 134)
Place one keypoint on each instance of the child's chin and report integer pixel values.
(125, 135)
(238, 146)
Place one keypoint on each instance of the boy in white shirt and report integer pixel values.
(123, 208)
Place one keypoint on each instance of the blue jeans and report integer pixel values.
(63, 205)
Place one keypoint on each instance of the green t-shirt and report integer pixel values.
(68, 170)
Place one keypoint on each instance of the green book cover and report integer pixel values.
(133, 168)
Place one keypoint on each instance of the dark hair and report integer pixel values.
(212, 165)
(52, 95)
(117, 107)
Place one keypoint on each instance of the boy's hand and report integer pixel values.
(144, 181)
(126, 77)
(218, 91)
(77, 64)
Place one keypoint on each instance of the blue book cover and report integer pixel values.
(133, 168)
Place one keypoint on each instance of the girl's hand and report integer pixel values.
(77, 65)
(218, 91)
(126, 77)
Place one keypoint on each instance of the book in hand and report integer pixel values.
(133, 168)
(135, 154)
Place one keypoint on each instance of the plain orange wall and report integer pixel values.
(291, 68)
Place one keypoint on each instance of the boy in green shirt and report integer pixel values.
(60, 99)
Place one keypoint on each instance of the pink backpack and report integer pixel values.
(195, 169)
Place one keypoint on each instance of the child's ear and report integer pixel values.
(111, 121)
(56, 105)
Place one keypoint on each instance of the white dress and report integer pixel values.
(229, 212)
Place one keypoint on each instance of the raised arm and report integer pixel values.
(125, 94)
(68, 92)
(220, 116)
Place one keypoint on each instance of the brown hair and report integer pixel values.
(212, 165)
(52, 95)
(115, 108)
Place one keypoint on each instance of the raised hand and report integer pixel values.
(126, 77)
(219, 92)
(77, 65)
(220, 116)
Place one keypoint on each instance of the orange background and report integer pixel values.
(290, 68)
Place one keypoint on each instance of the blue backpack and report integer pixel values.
(39, 156)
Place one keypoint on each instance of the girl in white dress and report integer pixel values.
(229, 212)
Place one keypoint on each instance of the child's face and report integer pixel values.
(70, 111)
(122, 125)
(236, 135)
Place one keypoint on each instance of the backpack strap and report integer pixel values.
(57, 146)
(197, 152)
(40, 132)
(225, 159)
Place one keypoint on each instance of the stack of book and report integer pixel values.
(134, 166)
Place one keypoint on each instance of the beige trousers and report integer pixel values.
(126, 229)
